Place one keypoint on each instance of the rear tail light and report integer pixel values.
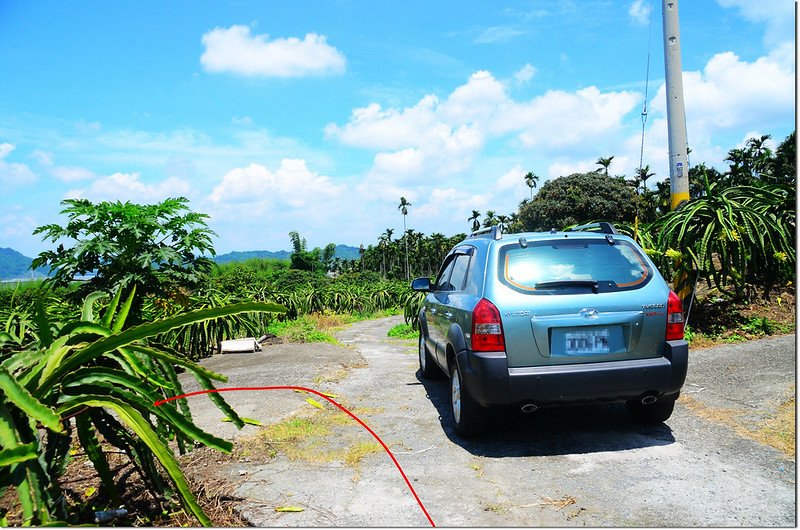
(675, 321)
(487, 330)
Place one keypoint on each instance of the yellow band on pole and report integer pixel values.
(678, 198)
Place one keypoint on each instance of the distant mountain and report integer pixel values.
(251, 254)
(14, 265)
(343, 252)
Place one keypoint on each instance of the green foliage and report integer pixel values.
(730, 234)
(317, 260)
(200, 339)
(761, 326)
(403, 331)
(567, 201)
(90, 374)
(156, 247)
(302, 329)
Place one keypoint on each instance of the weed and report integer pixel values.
(354, 454)
(403, 331)
(301, 330)
(333, 376)
(734, 337)
(477, 466)
(760, 326)
(308, 438)
(777, 431)
(495, 508)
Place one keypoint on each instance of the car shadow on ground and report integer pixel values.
(549, 431)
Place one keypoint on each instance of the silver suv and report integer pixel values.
(548, 318)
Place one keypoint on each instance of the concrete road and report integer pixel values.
(578, 466)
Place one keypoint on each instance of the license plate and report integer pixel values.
(586, 342)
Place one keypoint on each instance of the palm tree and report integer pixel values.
(403, 207)
(476, 225)
(531, 180)
(490, 219)
(642, 174)
(502, 222)
(604, 162)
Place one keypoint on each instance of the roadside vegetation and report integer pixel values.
(82, 363)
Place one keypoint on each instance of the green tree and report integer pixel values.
(578, 198)
(155, 247)
(604, 163)
(476, 224)
(531, 180)
(403, 207)
(783, 166)
(490, 219)
(316, 260)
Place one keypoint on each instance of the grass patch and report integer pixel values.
(354, 454)
(317, 437)
(303, 329)
(497, 508)
(403, 331)
(779, 431)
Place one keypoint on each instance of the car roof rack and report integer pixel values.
(602, 227)
(495, 231)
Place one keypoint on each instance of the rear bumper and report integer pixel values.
(491, 382)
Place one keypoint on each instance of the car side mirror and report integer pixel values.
(422, 285)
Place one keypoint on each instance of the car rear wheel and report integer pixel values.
(467, 414)
(652, 414)
(427, 366)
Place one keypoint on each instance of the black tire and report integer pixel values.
(651, 414)
(427, 366)
(468, 416)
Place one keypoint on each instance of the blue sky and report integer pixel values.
(317, 116)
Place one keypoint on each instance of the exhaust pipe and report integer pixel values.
(649, 400)
(528, 407)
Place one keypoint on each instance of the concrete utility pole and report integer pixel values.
(676, 114)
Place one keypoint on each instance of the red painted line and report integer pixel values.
(330, 400)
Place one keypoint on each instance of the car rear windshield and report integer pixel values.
(574, 265)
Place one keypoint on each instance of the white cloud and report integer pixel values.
(292, 184)
(17, 225)
(13, 174)
(562, 168)
(513, 178)
(6, 149)
(72, 174)
(731, 94)
(235, 50)
(372, 127)
(438, 141)
(639, 11)
(525, 74)
(44, 158)
(498, 34)
(475, 102)
(560, 120)
(128, 187)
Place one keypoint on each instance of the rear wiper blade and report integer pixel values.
(592, 284)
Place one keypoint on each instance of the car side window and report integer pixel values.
(443, 282)
(459, 276)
